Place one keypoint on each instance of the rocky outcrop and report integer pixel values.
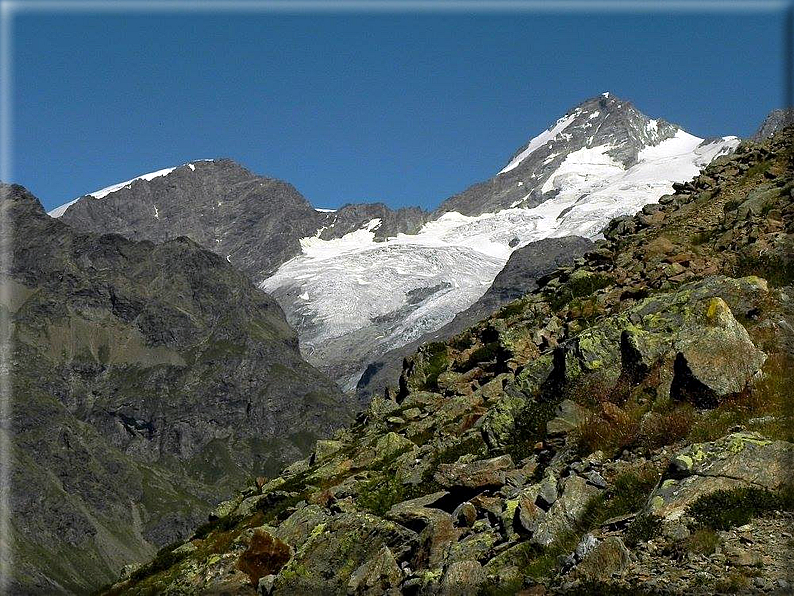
(149, 382)
(776, 120)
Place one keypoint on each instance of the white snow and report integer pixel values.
(595, 114)
(156, 212)
(58, 211)
(98, 194)
(325, 210)
(539, 141)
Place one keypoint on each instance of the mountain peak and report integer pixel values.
(776, 120)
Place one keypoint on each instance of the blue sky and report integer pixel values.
(407, 109)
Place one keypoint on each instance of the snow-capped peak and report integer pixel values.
(98, 194)
(540, 140)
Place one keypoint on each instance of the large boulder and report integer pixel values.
(737, 460)
(566, 511)
(326, 562)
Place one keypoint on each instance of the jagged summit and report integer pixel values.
(604, 130)
(252, 221)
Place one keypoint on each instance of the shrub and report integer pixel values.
(436, 364)
(661, 429)
(165, 558)
(724, 509)
(776, 269)
(485, 353)
(610, 436)
(264, 555)
(627, 494)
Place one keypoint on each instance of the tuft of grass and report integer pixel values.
(627, 494)
(734, 583)
(436, 364)
(703, 541)
(486, 353)
(725, 509)
(774, 268)
(165, 559)
(381, 494)
(766, 406)
(609, 434)
(644, 527)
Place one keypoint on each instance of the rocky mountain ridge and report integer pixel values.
(148, 380)
(625, 428)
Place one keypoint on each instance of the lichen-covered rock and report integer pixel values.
(324, 449)
(567, 417)
(328, 559)
(477, 474)
(379, 576)
(565, 512)
(463, 578)
(715, 359)
(437, 531)
(740, 459)
(608, 557)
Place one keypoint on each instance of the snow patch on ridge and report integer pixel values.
(539, 141)
(99, 194)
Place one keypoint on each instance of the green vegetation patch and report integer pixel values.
(578, 287)
(724, 509)
(437, 362)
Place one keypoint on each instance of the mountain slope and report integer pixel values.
(625, 428)
(352, 299)
(519, 276)
(149, 380)
(361, 281)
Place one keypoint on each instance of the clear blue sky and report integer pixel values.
(406, 109)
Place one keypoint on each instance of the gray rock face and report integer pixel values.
(349, 218)
(523, 268)
(775, 121)
(146, 377)
(254, 221)
(602, 120)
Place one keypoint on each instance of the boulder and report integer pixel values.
(477, 474)
(608, 557)
(716, 359)
(334, 551)
(739, 459)
(436, 528)
(565, 512)
(325, 449)
(567, 417)
(464, 578)
(378, 576)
